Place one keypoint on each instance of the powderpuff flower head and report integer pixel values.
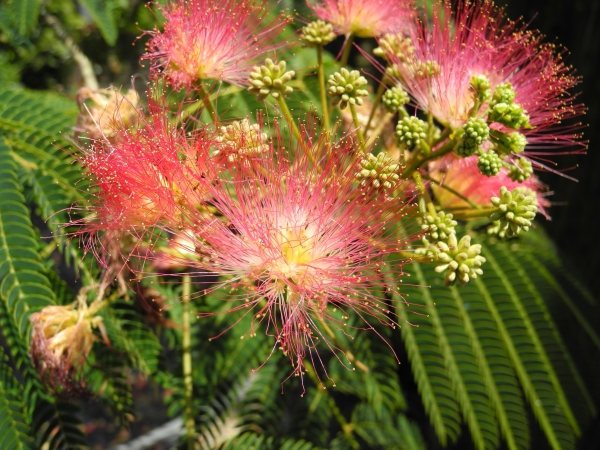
(481, 64)
(463, 176)
(144, 177)
(364, 18)
(216, 39)
(302, 240)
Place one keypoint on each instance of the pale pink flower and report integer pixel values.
(216, 39)
(365, 18)
(304, 241)
(474, 39)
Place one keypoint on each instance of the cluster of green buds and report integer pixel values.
(241, 139)
(394, 99)
(270, 79)
(521, 170)
(515, 211)
(461, 260)
(318, 33)
(470, 137)
(395, 45)
(513, 142)
(345, 87)
(380, 172)
(438, 227)
(410, 131)
(482, 87)
(504, 110)
(489, 163)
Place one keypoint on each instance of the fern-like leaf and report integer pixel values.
(14, 429)
(57, 426)
(103, 13)
(24, 15)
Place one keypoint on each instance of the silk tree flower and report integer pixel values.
(463, 175)
(365, 18)
(144, 177)
(480, 43)
(216, 39)
(305, 243)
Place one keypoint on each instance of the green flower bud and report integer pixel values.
(489, 163)
(345, 87)
(394, 99)
(504, 110)
(504, 93)
(514, 142)
(270, 79)
(482, 87)
(471, 136)
(395, 45)
(511, 115)
(378, 171)
(318, 33)
(516, 210)
(521, 171)
(460, 260)
(410, 130)
(439, 228)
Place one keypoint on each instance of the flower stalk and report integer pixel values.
(186, 342)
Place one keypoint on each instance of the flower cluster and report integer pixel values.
(302, 218)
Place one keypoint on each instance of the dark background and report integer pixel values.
(575, 219)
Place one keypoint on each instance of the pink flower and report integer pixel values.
(305, 241)
(217, 39)
(463, 175)
(365, 18)
(480, 41)
(143, 177)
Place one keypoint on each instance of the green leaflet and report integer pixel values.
(24, 15)
(103, 13)
(14, 427)
(499, 346)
